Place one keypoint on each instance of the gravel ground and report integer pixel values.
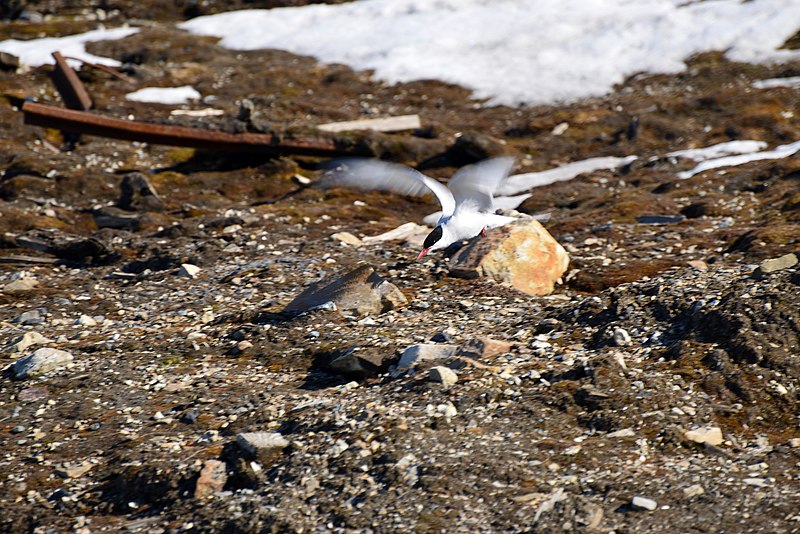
(656, 390)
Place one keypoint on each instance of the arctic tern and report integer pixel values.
(468, 205)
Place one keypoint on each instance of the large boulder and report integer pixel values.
(361, 291)
(42, 361)
(522, 255)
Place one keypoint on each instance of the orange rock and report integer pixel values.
(212, 479)
(485, 347)
(522, 255)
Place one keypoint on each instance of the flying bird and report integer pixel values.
(468, 204)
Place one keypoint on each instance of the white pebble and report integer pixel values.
(644, 503)
(189, 270)
(443, 374)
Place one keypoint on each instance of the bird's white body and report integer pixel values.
(466, 225)
(467, 201)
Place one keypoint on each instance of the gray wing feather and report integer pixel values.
(473, 186)
(371, 174)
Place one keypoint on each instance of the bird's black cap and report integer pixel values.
(433, 237)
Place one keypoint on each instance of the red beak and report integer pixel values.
(422, 253)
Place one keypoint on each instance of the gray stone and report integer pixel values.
(28, 339)
(257, 442)
(624, 433)
(111, 217)
(776, 264)
(76, 470)
(33, 394)
(425, 352)
(31, 317)
(362, 362)
(442, 374)
(443, 337)
(40, 362)
(137, 194)
(20, 285)
(660, 219)
(360, 291)
(190, 416)
(9, 61)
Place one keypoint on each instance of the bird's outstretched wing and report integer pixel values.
(473, 186)
(373, 174)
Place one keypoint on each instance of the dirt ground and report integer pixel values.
(656, 330)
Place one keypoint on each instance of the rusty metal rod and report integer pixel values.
(82, 122)
(113, 72)
(70, 87)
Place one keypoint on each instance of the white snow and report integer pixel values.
(37, 52)
(525, 182)
(719, 150)
(506, 51)
(792, 82)
(516, 51)
(165, 95)
(782, 151)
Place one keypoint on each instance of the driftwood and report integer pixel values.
(22, 259)
(83, 122)
(388, 124)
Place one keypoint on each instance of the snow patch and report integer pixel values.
(719, 150)
(793, 82)
(165, 95)
(782, 151)
(525, 182)
(37, 52)
(515, 51)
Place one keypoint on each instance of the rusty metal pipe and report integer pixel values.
(82, 122)
(69, 86)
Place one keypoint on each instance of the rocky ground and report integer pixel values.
(656, 389)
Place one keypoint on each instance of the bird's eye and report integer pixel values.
(433, 237)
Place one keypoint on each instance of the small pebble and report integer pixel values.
(693, 490)
(707, 434)
(189, 270)
(446, 376)
(190, 416)
(621, 337)
(32, 317)
(253, 442)
(85, 320)
(643, 503)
